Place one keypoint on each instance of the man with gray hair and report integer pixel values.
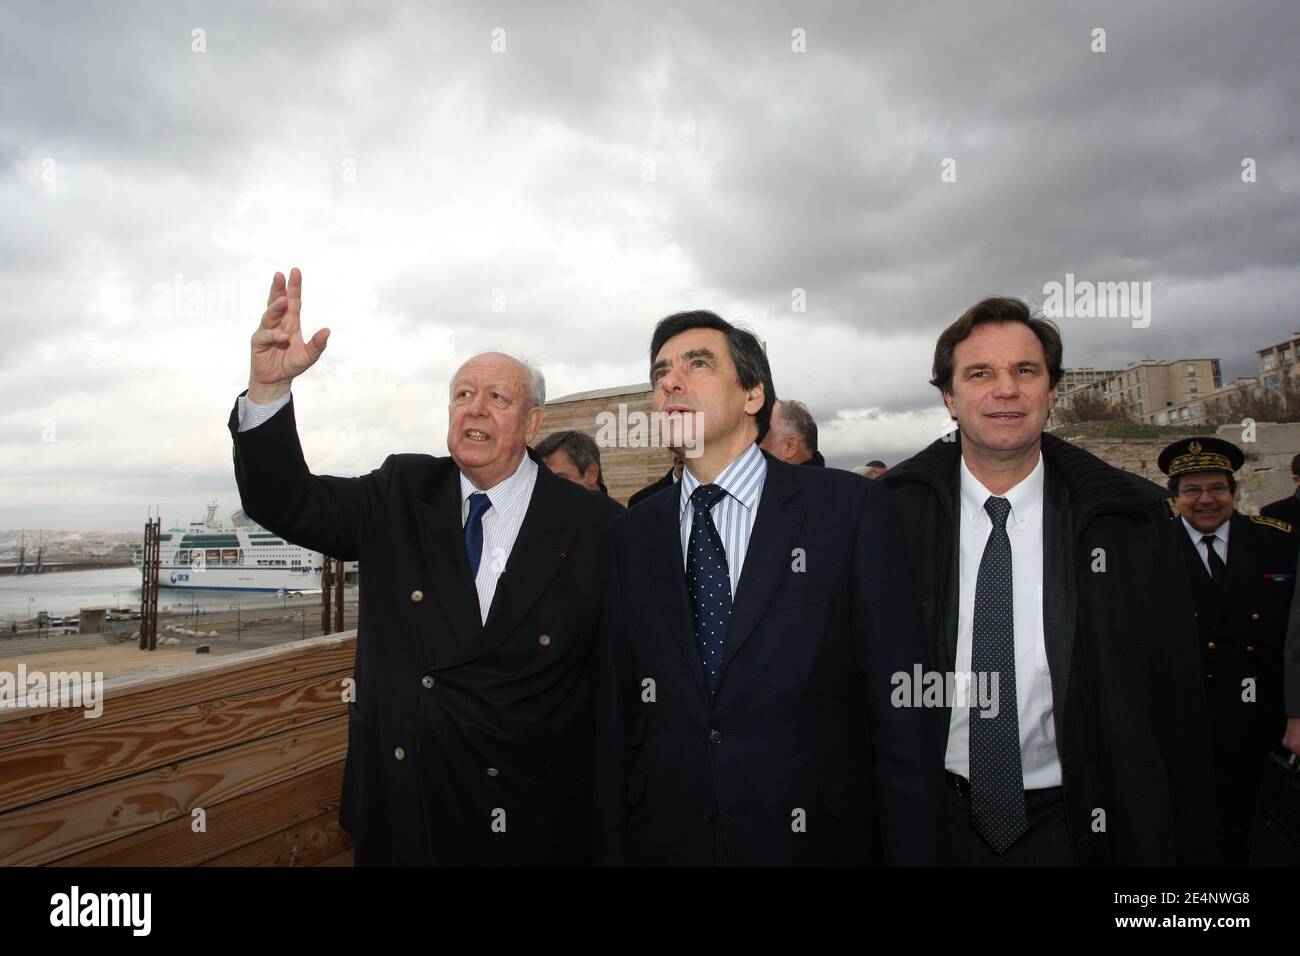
(793, 435)
(469, 723)
(573, 455)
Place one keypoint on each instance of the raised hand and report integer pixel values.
(280, 354)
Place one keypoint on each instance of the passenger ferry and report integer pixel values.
(237, 556)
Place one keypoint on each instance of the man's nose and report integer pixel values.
(1006, 384)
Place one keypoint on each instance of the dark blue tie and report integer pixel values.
(478, 503)
(709, 581)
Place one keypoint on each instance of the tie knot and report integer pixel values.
(478, 503)
(1209, 539)
(706, 496)
(998, 509)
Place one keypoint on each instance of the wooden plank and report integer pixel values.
(304, 844)
(55, 828)
(230, 825)
(46, 768)
(194, 682)
(342, 859)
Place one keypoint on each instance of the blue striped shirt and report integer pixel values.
(734, 515)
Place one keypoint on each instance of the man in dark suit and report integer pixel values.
(1287, 509)
(670, 478)
(469, 734)
(1041, 565)
(753, 626)
(1242, 575)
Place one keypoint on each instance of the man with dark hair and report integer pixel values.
(793, 435)
(876, 468)
(1054, 582)
(670, 478)
(752, 627)
(1287, 509)
(573, 455)
(1242, 575)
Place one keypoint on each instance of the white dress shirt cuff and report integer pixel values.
(252, 414)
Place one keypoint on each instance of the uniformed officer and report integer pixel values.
(1242, 571)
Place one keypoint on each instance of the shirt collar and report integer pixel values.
(1221, 532)
(742, 479)
(504, 490)
(1025, 497)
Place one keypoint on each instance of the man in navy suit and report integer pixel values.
(755, 617)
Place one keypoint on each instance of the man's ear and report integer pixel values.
(951, 402)
(754, 399)
(535, 416)
(591, 475)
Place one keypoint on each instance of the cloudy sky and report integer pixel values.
(550, 178)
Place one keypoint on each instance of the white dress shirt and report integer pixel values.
(1221, 546)
(1039, 759)
(501, 522)
(734, 514)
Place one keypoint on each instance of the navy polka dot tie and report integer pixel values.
(708, 580)
(997, 780)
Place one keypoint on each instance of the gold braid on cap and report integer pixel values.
(1198, 460)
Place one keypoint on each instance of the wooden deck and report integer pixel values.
(254, 742)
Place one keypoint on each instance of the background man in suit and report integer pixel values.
(576, 456)
(670, 478)
(793, 435)
(1287, 509)
(1040, 563)
(1242, 575)
(753, 622)
(470, 737)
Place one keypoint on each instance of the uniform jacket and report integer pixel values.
(1242, 630)
(467, 744)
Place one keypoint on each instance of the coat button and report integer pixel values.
(1211, 645)
(417, 596)
(427, 681)
(493, 772)
(544, 640)
(400, 753)
(715, 736)
(1254, 617)
(708, 815)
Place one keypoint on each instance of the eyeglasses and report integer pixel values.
(1194, 491)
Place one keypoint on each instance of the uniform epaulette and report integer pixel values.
(1272, 522)
(1169, 506)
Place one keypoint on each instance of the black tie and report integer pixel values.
(997, 781)
(1218, 570)
(709, 581)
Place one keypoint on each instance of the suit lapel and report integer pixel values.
(536, 556)
(669, 562)
(780, 515)
(1058, 589)
(442, 545)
